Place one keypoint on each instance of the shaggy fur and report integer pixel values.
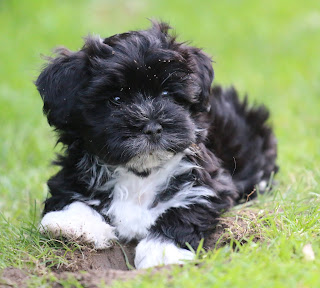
(150, 147)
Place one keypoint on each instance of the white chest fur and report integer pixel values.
(130, 210)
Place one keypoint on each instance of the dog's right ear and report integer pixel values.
(60, 84)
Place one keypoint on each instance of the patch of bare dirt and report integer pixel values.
(94, 278)
(115, 262)
(12, 277)
(117, 257)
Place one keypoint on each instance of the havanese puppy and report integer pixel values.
(152, 152)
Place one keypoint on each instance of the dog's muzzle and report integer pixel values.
(153, 130)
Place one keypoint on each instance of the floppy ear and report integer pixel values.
(60, 84)
(203, 74)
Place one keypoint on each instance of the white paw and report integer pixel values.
(155, 252)
(78, 222)
(262, 185)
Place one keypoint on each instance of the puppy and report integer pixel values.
(152, 152)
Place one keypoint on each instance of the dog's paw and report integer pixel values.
(78, 222)
(155, 252)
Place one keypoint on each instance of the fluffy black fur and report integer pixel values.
(141, 92)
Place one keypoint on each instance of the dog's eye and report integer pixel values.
(164, 93)
(115, 100)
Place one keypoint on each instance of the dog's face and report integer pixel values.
(134, 99)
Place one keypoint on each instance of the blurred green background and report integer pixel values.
(268, 49)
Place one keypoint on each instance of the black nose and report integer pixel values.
(153, 129)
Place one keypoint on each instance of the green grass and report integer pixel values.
(268, 49)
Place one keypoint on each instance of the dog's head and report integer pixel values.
(133, 99)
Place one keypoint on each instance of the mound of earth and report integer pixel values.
(116, 263)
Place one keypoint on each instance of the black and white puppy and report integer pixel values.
(152, 152)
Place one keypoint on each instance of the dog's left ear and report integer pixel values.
(203, 74)
(199, 63)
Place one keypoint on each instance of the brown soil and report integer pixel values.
(13, 277)
(115, 262)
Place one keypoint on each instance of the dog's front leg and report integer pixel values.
(78, 222)
(167, 238)
(154, 251)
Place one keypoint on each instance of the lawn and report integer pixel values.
(267, 49)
